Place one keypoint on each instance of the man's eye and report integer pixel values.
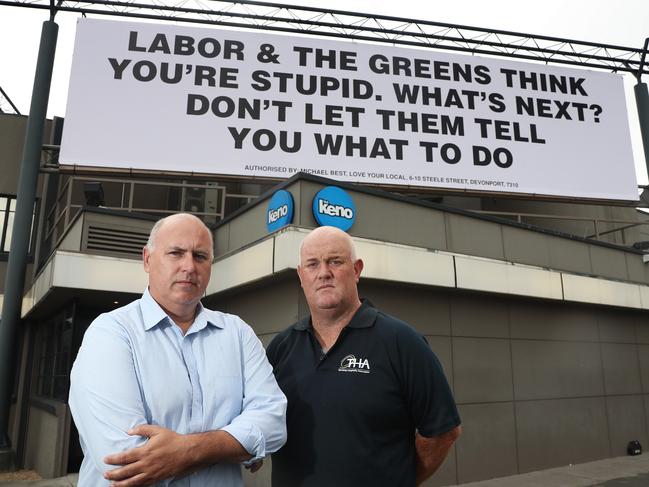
(200, 257)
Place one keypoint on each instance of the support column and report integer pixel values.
(20, 237)
(642, 102)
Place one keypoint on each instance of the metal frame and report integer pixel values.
(596, 222)
(6, 105)
(278, 17)
(64, 210)
(344, 24)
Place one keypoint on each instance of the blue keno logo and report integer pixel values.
(280, 210)
(334, 207)
(274, 215)
(326, 208)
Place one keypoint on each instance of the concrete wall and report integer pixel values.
(584, 227)
(385, 219)
(3, 272)
(538, 384)
(269, 307)
(22, 363)
(12, 139)
(566, 216)
(47, 438)
(12, 431)
(437, 229)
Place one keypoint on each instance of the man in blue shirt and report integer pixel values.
(174, 393)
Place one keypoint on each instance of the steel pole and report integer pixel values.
(26, 197)
(642, 102)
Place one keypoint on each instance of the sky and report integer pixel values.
(626, 24)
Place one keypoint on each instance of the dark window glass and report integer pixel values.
(54, 345)
(7, 214)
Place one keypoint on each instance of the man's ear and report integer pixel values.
(145, 258)
(299, 273)
(358, 268)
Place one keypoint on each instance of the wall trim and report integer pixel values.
(386, 261)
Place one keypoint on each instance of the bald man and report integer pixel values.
(168, 391)
(368, 403)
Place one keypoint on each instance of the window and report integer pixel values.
(54, 349)
(7, 214)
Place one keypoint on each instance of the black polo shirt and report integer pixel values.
(353, 411)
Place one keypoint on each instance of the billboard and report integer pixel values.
(164, 97)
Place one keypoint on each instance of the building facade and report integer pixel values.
(542, 330)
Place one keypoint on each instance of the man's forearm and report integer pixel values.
(431, 452)
(168, 454)
(217, 447)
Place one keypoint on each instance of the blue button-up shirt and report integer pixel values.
(135, 366)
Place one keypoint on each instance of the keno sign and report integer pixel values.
(332, 206)
(280, 210)
(162, 97)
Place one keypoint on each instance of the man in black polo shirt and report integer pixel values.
(368, 403)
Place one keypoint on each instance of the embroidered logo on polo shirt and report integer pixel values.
(352, 364)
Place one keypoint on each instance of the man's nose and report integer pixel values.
(324, 271)
(188, 263)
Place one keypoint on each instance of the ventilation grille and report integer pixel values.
(116, 240)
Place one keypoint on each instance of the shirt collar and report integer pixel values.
(153, 314)
(364, 317)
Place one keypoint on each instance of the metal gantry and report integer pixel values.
(6, 105)
(279, 17)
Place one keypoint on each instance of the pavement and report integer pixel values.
(67, 481)
(612, 472)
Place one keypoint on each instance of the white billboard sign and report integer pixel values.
(163, 97)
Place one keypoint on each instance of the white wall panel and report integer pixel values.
(601, 291)
(250, 264)
(504, 277)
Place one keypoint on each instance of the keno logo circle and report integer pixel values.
(334, 207)
(280, 210)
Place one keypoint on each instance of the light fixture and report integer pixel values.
(94, 193)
